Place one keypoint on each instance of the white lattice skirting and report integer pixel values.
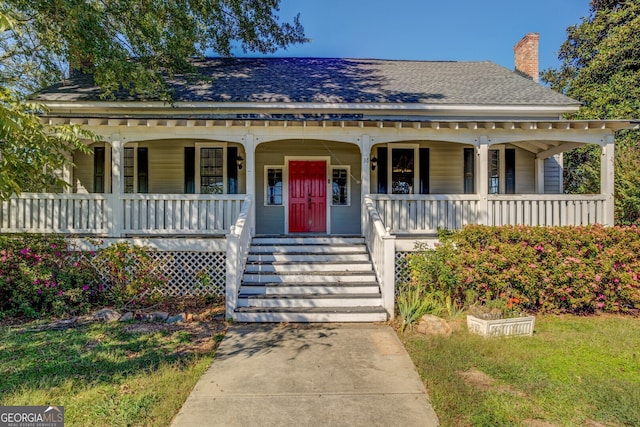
(189, 273)
(192, 273)
(403, 274)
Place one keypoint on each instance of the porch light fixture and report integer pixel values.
(239, 161)
(374, 163)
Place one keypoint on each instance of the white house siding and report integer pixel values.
(525, 172)
(553, 175)
(83, 171)
(344, 219)
(446, 166)
(165, 168)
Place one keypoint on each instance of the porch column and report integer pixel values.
(250, 162)
(607, 179)
(482, 180)
(116, 218)
(365, 175)
(539, 176)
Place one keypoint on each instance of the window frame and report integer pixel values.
(502, 168)
(133, 146)
(416, 166)
(198, 177)
(348, 169)
(266, 185)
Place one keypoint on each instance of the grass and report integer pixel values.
(573, 371)
(103, 374)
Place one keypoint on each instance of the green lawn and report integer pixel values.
(105, 374)
(573, 371)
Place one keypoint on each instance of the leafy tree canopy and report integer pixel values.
(601, 68)
(132, 44)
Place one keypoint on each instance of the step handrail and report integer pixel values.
(238, 244)
(381, 244)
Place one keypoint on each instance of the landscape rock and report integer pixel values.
(126, 317)
(178, 318)
(432, 325)
(159, 316)
(106, 315)
(190, 317)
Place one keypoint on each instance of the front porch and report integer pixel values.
(390, 182)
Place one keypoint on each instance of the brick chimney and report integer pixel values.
(526, 56)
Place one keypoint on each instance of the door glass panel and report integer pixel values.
(402, 170)
(274, 186)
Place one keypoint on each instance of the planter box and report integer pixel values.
(501, 327)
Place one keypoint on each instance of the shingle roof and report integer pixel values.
(325, 80)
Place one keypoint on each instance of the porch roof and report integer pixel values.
(326, 82)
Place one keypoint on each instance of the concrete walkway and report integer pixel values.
(309, 375)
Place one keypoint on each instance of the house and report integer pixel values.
(294, 184)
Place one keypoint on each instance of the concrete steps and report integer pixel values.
(309, 279)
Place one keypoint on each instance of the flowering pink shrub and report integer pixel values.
(40, 275)
(546, 269)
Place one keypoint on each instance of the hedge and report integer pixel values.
(577, 270)
(41, 275)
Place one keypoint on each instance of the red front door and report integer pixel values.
(307, 196)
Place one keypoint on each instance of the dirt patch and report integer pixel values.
(478, 379)
(538, 423)
(204, 336)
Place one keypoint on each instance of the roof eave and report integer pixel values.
(177, 108)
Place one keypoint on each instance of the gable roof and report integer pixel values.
(339, 81)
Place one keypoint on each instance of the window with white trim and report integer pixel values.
(273, 179)
(340, 187)
(212, 170)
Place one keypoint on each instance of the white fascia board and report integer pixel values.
(70, 107)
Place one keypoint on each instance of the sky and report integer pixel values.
(449, 30)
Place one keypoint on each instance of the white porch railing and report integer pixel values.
(116, 216)
(179, 213)
(55, 213)
(546, 209)
(426, 213)
(382, 247)
(238, 243)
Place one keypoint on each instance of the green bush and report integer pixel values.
(132, 276)
(41, 275)
(548, 269)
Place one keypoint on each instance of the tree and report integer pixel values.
(129, 46)
(133, 45)
(28, 147)
(601, 68)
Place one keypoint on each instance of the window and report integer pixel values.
(402, 170)
(494, 171)
(340, 185)
(273, 185)
(136, 170)
(129, 170)
(211, 170)
(469, 171)
(98, 170)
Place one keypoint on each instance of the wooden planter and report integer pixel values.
(516, 326)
